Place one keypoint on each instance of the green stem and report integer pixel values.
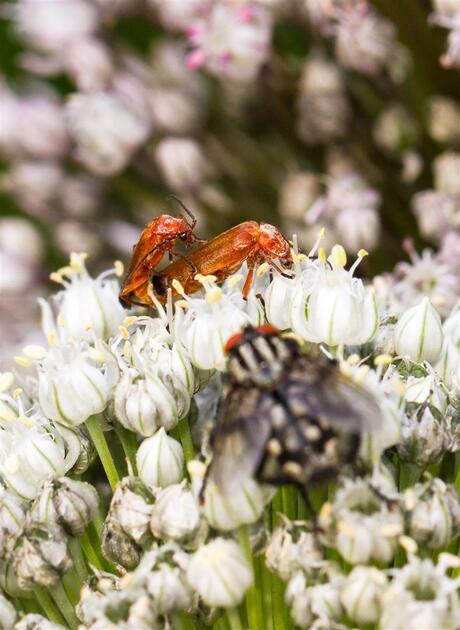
(71, 583)
(277, 603)
(457, 471)
(129, 444)
(89, 552)
(47, 605)
(78, 559)
(183, 621)
(254, 612)
(234, 619)
(60, 597)
(97, 436)
(289, 502)
(182, 433)
(409, 474)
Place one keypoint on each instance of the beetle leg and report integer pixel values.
(282, 271)
(249, 277)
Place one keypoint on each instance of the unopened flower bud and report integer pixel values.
(12, 517)
(433, 512)
(361, 593)
(425, 439)
(126, 527)
(225, 512)
(418, 333)
(144, 404)
(65, 502)
(445, 172)
(220, 573)
(40, 556)
(169, 588)
(176, 517)
(182, 163)
(34, 621)
(94, 589)
(160, 460)
(7, 614)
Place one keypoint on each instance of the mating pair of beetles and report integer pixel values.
(286, 416)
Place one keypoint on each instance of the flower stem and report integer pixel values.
(60, 597)
(129, 444)
(253, 604)
(289, 502)
(457, 471)
(89, 552)
(78, 559)
(182, 433)
(408, 475)
(234, 619)
(47, 605)
(97, 435)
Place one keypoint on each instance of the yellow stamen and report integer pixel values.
(408, 544)
(52, 338)
(205, 279)
(23, 361)
(27, 422)
(322, 257)
(262, 269)
(178, 288)
(6, 381)
(6, 414)
(338, 257)
(60, 319)
(182, 304)
(322, 233)
(34, 352)
(383, 359)
(353, 359)
(234, 280)
(124, 332)
(77, 260)
(65, 271)
(127, 349)
(129, 321)
(55, 276)
(213, 295)
(17, 392)
(119, 268)
(362, 253)
(449, 560)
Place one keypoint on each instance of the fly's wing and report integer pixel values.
(240, 438)
(322, 393)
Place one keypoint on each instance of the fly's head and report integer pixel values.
(259, 357)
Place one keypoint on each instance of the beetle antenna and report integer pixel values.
(184, 208)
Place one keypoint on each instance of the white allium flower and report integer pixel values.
(366, 529)
(51, 26)
(34, 621)
(433, 513)
(160, 460)
(330, 306)
(87, 307)
(75, 382)
(420, 595)
(220, 573)
(182, 163)
(425, 438)
(144, 404)
(322, 104)
(290, 550)
(204, 327)
(107, 130)
(418, 333)
(231, 42)
(309, 604)
(278, 296)
(361, 594)
(28, 454)
(426, 389)
(226, 512)
(7, 614)
(448, 362)
(447, 7)
(176, 516)
(176, 15)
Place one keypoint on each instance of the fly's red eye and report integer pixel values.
(266, 329)
(232, 341)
